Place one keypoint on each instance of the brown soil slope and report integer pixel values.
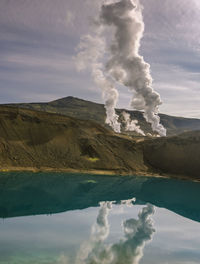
(38, 139)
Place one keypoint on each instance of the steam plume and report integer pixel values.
(91, 52)
(132, 125)
(125, 64)
(129, 250)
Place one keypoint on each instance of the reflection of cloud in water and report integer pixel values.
(129, 250)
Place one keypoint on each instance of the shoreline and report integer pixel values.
(98, 172)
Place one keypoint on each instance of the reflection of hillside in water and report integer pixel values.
(44, 193)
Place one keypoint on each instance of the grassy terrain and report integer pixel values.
(33, 140)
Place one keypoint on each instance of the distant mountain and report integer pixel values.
(87, 110)
(36, 140)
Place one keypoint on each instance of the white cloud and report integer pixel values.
(54, 62)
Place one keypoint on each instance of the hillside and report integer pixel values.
(176, 155)
(37, 140)
(86, 110)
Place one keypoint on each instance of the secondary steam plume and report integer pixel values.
(132, 125)
(125, 64)
(129, 250)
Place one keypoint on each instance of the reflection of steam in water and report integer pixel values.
(128, 250)
(136, 233)
(93, 250)
(128, 202)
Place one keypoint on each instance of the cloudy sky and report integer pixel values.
(39, 39)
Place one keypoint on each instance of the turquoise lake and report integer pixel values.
(58, 218)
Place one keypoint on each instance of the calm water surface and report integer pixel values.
(66, 218)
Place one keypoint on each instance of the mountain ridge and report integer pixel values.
(87, 110)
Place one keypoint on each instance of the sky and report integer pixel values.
(39, 40)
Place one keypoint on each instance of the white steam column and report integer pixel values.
(123, 21)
